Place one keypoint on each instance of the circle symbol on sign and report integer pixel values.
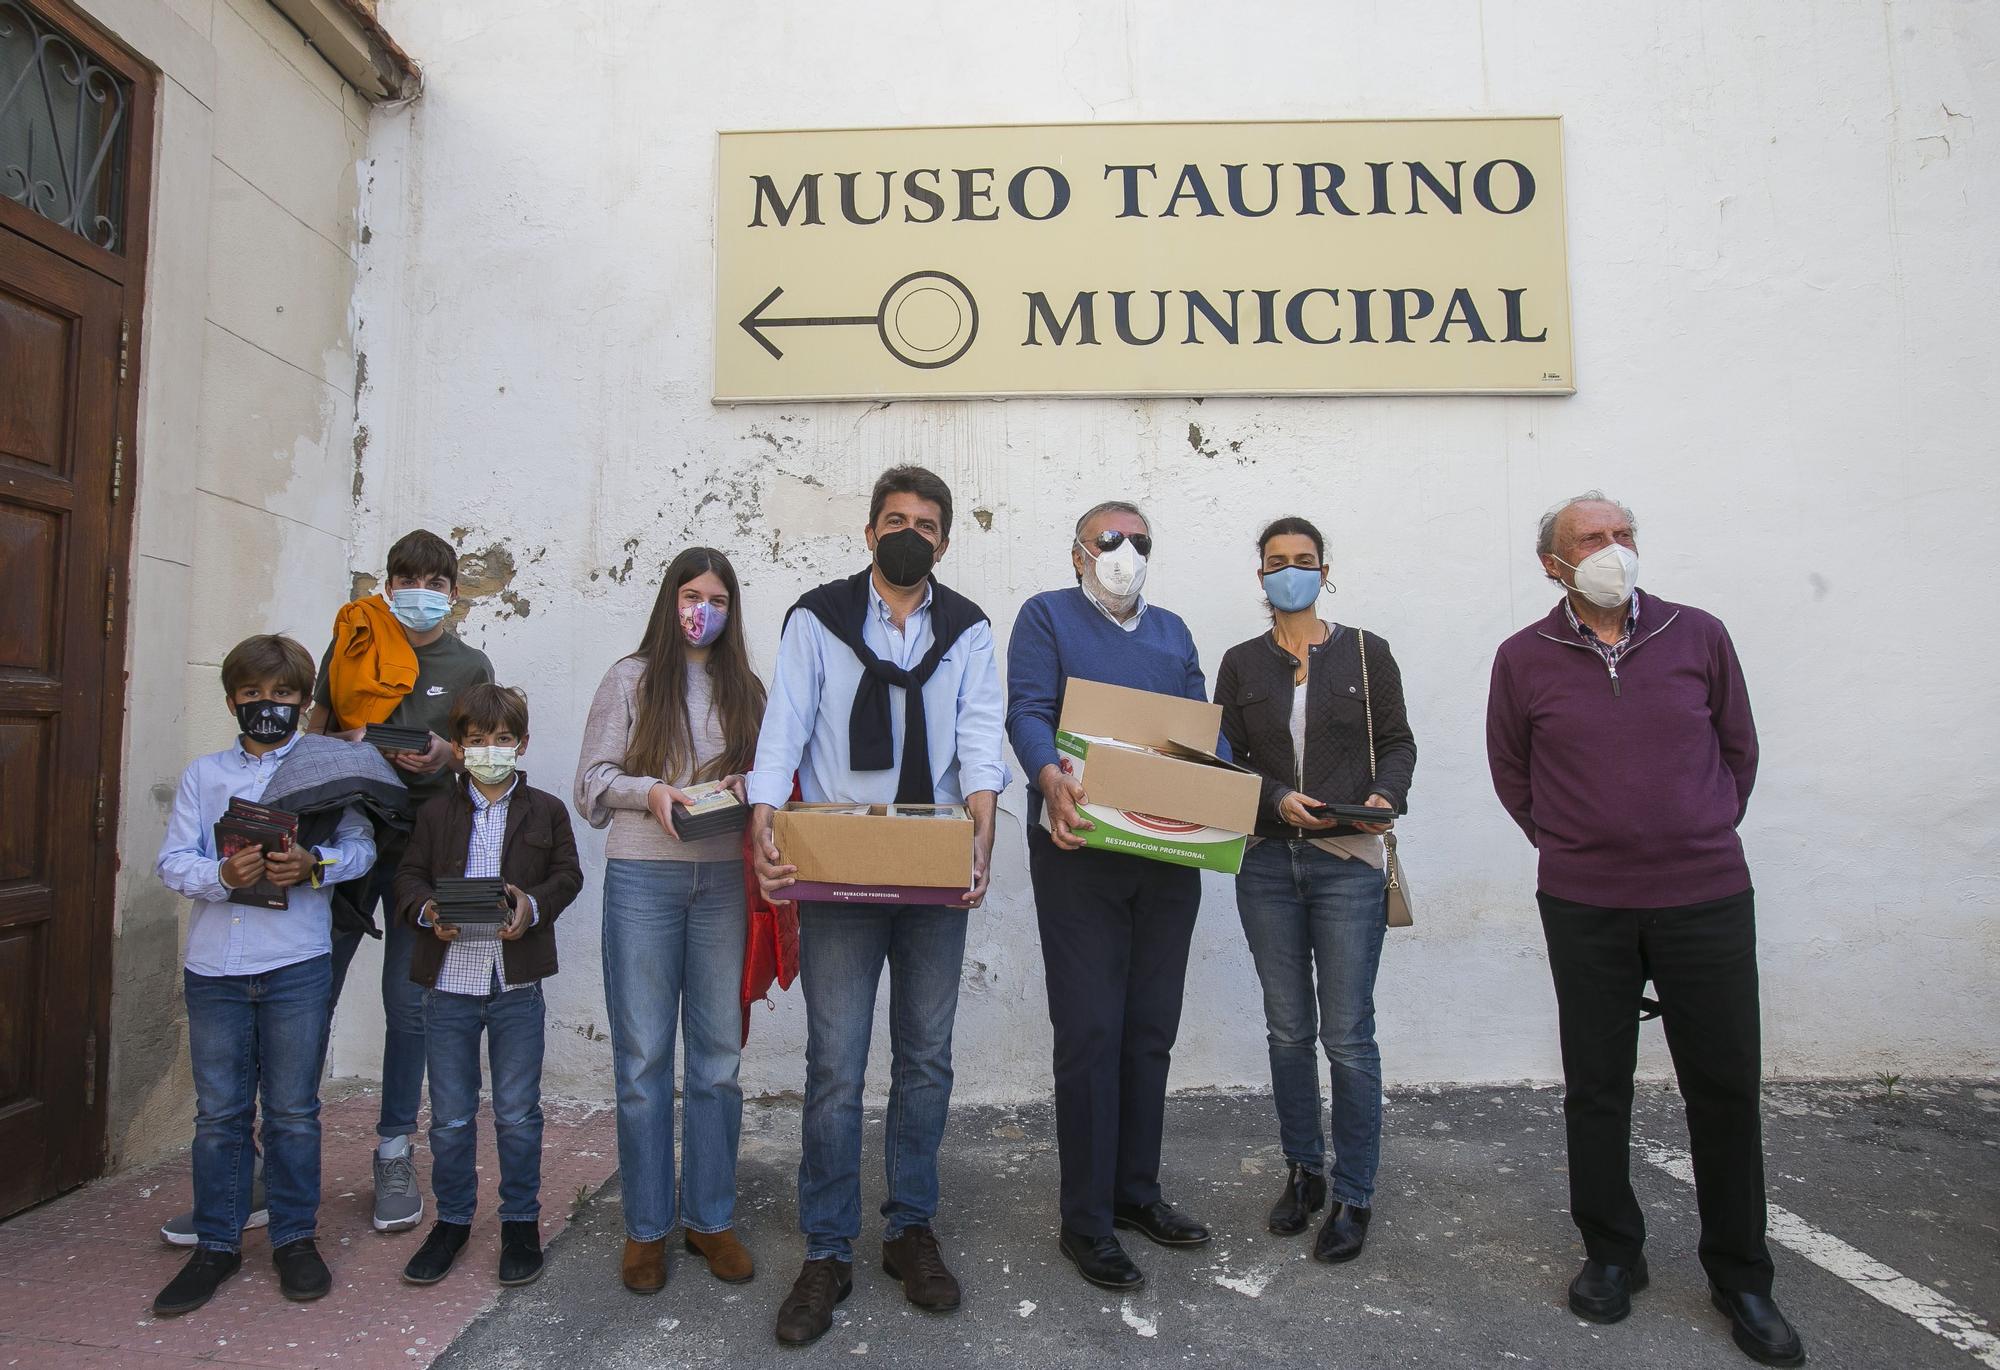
(928, 319)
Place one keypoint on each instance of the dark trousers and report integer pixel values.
(1115, 934)
(1702, 960)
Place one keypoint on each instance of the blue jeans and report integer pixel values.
(512, 1022)
(1304, 908)
(841, 951)
(252, 1034)
(673, 956)
(402, 1003)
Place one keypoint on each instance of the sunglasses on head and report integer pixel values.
(1110, 540)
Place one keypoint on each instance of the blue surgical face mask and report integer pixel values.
(420, 610)
(1293, 588)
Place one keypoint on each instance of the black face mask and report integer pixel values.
(266, 720)
(905, 557)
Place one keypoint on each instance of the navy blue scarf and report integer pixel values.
(841, 606)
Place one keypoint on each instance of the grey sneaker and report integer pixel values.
(179, 1231)
(399, 1206)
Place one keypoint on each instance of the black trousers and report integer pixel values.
(1702, 960)
(1115, 934)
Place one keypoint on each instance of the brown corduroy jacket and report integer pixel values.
(537, 855)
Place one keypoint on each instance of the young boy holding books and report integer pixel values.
(256, 979)
(393, 661)
(493, 825)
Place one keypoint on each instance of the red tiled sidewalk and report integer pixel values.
(77, 1276)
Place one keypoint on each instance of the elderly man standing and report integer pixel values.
(1619, 734)
(1115, 928)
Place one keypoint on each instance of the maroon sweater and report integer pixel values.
(1630, 789)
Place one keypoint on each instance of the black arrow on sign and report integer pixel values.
(754, 323)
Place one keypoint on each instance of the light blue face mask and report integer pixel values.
(1293, 588)
(420, 610)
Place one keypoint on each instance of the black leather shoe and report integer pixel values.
(196, 1284)
(302, 1275)
(807, 1311)
(433, 1259)
(1603, 1293)
(1161, 1222)
(1342, 1235)
(520, 1253)
(1760, 1330)
(1102, 1261)
(1305, 1195)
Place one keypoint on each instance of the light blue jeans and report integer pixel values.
(1306, 910)
(673, 956)
(842, 948)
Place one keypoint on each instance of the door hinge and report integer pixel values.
(100, 806)
(90, 1069)
(118, 469)
(124, 347)
(110, 600)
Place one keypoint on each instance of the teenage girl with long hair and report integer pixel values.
(682, 709)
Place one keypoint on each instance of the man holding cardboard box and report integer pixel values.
(1117, 919)
(886, 703)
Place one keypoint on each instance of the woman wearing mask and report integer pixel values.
(1296, 703)
(684, 708)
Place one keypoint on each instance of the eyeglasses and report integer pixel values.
(1110, 540)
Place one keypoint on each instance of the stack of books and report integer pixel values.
(388, 737)
(254, 825)
(476, 906)
(714, 809)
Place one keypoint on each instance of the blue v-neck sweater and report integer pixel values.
(1060, 634)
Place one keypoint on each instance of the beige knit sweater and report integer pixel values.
(606, 793)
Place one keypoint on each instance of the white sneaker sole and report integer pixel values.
(261, 1218)
(400, 1224)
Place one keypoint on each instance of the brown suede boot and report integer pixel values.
(645, 1266)
(913, 1258)
(727, 1259)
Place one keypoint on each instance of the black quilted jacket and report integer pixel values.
(1254, 688)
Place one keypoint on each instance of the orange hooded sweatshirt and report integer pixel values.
(372, 666)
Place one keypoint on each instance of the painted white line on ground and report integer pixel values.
(1919, 1302)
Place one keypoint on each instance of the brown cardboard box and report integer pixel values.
(1155, 786)
(876, 853)
(1167, 764)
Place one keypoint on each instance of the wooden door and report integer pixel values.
(76, 133)
(59, 337)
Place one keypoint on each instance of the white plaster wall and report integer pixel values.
(243, 475)
(1780, 236)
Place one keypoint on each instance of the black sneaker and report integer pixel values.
(302, 1275)
(520, 1253)
(196, 1284)
(433, 1259)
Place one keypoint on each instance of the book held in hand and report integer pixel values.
(713, 809)
(273, 831)
(388, 737)
(476, 906)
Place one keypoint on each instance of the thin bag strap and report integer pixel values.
(1367, 703)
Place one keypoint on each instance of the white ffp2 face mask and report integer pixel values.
(1120, 571)
(1607, 576)
(491, 764)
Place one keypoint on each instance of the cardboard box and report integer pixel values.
(1156, 787)
(876, 853)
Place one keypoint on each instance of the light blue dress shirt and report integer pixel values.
(812, 697)
(240, 939)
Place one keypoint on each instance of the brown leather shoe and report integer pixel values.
(645, 1266)
(807, 1311)
(727, 1259)
(912, 1256)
